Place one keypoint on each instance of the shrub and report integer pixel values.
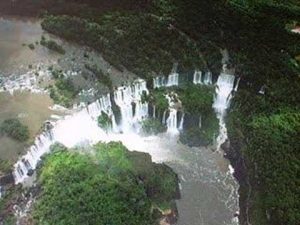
(31, 46)
(104, 121)
(52, 45)
(152, 126)
(14, 129)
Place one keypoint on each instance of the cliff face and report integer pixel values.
(232, 152)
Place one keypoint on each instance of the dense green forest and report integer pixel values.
(109, 186)
(147, 37)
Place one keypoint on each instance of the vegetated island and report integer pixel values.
(105, 185)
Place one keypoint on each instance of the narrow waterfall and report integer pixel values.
(154, 112)
(200, 122)
(163, 121)
(172, 119)
(207, 78)
(181, 122)
(262, 90)
(237, 84)
(224, 88)
(197, 77)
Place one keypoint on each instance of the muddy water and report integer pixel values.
(17, 59)
(15, 55)
(32, 110)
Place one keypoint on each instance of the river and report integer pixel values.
(208, 189)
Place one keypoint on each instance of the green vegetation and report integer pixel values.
(196, 99)
(206, 135)
(52, 45)
(276, 137)
(63, 91)
(272, 146)
(5, 166)
(104, 121)
(6, 205)
(112, 186)
(100, 75)
(152, 126)
(158, 99)
(15, 129)
(31, 46)
(150, 51)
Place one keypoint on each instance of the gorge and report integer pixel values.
(161, 112)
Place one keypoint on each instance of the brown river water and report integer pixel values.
(32, 109)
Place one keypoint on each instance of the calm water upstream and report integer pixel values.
(31, 108)
(15, 55)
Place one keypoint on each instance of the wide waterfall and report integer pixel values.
(198, 78)
(126, 98)
(81, 127)
(66, 131)
(224, 89)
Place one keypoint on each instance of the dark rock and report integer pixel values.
(7, 179)
(30, 172)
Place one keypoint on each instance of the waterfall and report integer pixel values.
(197, 77)
(161, 81)
(173, 80)
(172, 121)
(154, 111)
(127, 96)
(163, 121)
(237, 84)
(200, 122)
(262, 90)
(181, 122)
(81, 127)
(207, 78)
(66, 130)
(224, 88)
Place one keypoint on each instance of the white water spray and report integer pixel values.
(197, 77)
(224, 88)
